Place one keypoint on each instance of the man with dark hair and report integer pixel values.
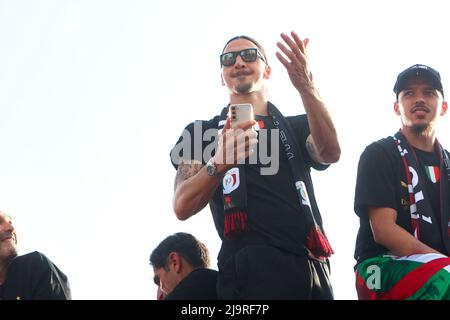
(403, 199)
(180, 265)
(273, 242)
(29, 277)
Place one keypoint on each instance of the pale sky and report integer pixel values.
(94, 94)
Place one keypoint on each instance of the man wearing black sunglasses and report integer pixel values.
(273, 242)
(228, 59)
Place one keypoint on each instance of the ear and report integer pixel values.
(267, 72)
(444, 108)
(221, 78)
(174, 262)
(396, 108)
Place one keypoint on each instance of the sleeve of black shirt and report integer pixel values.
(197, 142)
(300, 127)
(377, 181)
(48, 282)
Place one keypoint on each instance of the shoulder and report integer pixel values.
(204, 273)
(32, 257)
(199, 284)
(38, 261)
(197, 127)
(381, 148)
(380, 160)
(35, 262)
(297, 121)
(447, 153)
(195, 137)
(203, 124)
(202, 276)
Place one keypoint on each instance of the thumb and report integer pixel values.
(227, 124)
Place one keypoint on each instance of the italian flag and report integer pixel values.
(433, 173)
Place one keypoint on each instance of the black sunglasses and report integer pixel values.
(228, 59)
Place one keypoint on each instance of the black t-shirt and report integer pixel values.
(34, 277)
(381, 182)
(429, 170)
(199, 284)
(274, 213)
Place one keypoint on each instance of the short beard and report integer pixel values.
(244, 88)
(421, 129)
(9, 255)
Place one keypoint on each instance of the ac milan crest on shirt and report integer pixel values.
(231, 180)
(433, 173)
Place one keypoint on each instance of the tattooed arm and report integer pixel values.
(193, 189)
(314, 153)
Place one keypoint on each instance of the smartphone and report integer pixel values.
(240, 113)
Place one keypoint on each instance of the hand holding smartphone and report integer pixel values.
(240, 113)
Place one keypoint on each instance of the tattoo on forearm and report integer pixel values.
(183, 171)
(187, 170)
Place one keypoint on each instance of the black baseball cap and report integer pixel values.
(418, 70)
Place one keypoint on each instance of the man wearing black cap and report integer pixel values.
(403, 199)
